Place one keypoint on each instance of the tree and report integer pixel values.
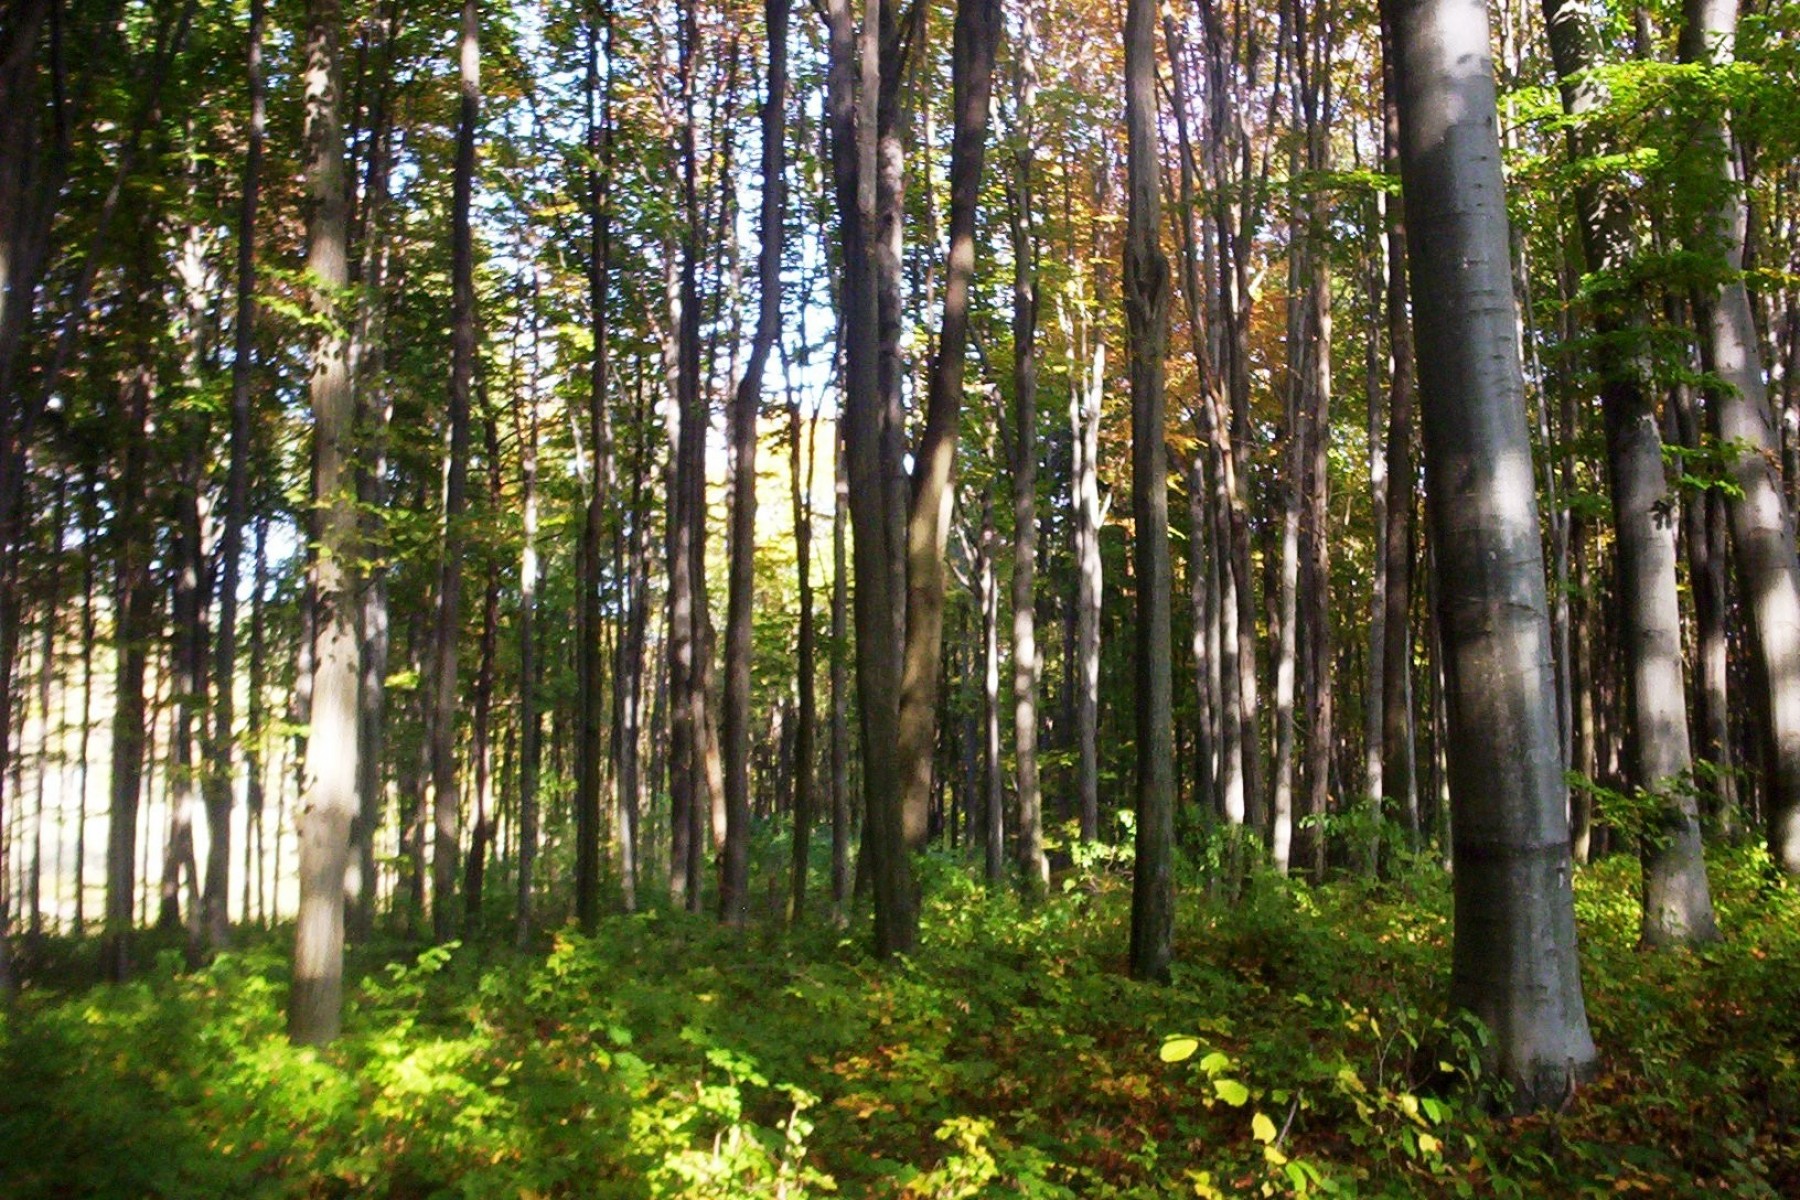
(1514, 962)
(734, 883)
(1762, 521)
(1147, 315)
(1677, 903)
(929, 511)
(329, 801)
(446, 800)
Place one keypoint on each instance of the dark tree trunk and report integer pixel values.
(237, 504)
(734, 879)
(928, 516)
(446, 800)
(1147, 315)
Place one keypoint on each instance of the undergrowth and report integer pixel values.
(666, 1057)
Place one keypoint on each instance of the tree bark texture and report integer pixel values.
(1514, 962)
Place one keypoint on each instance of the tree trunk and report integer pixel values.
(993, 776)
(237, 504)
(840, 688)
(1027, 663)
(525, 427)
(1762, 524)
(734, 879)
(857, 129)
(445, 797)
(1085, 398)
(134, 606)
(1677, 906)
(806, 715)
(328, 803)
(928, 518)
(589, 612)
(1514, 961)
(1397, 751)
(1147, 316)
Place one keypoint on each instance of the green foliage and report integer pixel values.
(1301, 1051)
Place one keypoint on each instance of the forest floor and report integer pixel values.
(1012, 1057)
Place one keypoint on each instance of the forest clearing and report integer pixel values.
(917, 598)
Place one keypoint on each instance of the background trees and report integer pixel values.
(284, 382)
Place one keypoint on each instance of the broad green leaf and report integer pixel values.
(1231, 1092)
(1179, 1049)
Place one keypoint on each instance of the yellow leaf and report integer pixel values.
(1179, 1049)
(1261, 1128)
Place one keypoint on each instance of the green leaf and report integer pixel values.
(1178, 1049)
(1231, 1092)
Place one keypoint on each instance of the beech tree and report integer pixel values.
(1515, 963)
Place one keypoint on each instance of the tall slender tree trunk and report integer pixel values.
(1312, 51)
(1085, 398)
(688, 641)
(1514, 961)
(134, 609)
(374, 413)
(1677, 905)
(859, 121)
(1027, 663)
(328, 802)
(734, 889)
(525, 427)
(1762, 523)
(590, 611)
(806, 714)
(1397, 727)
(928, 520)
(1147, 316)
(237, 503)
(840, 686)
(993, 778)
(446, 800)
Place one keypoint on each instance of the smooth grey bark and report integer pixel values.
(1027, 663)
(1677, 904)
(1085, 397)
(993, 774)
(1762, 523)
(1375, 691)
(734, 876)
(1146, 291)
(525, 430)
(1514, 961)
(328, 802)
